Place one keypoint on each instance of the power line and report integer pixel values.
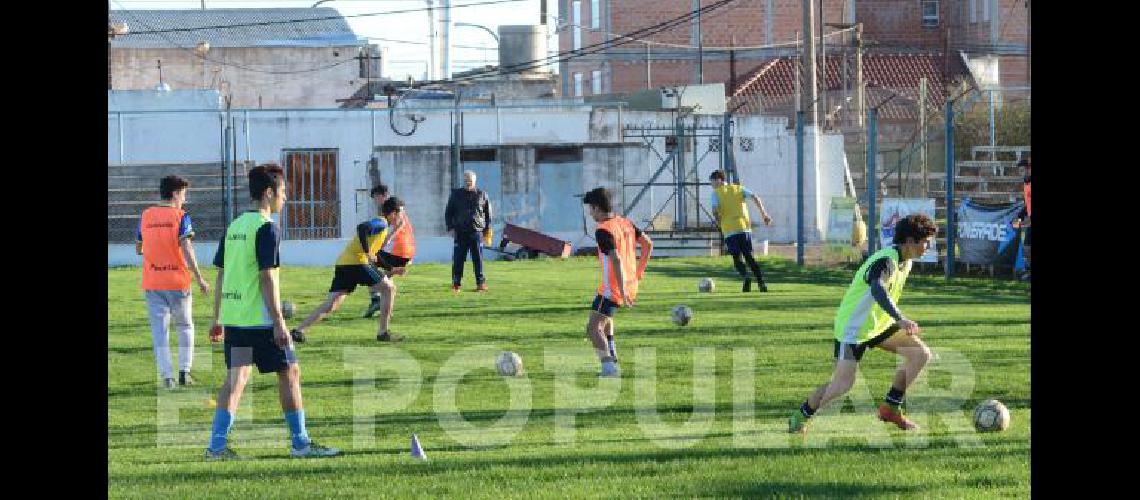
(593, 48)
(312, 19)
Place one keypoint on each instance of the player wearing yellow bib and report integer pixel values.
(869, 317)
(247, 302)
(355, 266)
(731, 212)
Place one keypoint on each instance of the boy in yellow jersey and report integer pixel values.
(731, 211)
(355, 266)
(621, 273)
(247, 302)
(869, 317)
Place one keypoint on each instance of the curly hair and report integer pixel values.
(914, 226)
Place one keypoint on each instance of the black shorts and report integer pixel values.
(345, 278)
(604, 306)
(739, 243)
(245, 346)
(387, 261)
(1028, 236)
(856, 350)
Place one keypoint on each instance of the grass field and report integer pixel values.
(700, 411)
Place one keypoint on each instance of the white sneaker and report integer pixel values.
(314, 450)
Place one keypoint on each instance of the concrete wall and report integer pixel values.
(136, 69)
(529, 192)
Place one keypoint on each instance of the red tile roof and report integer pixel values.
(772, 85)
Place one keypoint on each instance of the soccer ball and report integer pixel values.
(509, 364)
(707, 285)
(287, 309)
(682, 315)
(991, 416)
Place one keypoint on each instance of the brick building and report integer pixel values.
(978, 28)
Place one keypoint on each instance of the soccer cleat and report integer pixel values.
(797, 423)
(612, 372)
(887, 414)
(747, 285)
(184, 378)
(762, 286)
(298, 336)
(226, 454)
(168, 383)
(313, 450)
(481, 288)
(455, 289)
(372, 308)
(389, 337)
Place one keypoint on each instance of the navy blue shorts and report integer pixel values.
(604, 306)
(739, 243)
(245, 346)
(347, 277)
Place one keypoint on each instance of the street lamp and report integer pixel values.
(484, 28)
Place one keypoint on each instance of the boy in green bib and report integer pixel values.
(869, 317)
(248, 304)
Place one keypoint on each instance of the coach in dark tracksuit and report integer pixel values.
(468, 217)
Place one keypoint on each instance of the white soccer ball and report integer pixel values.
(682, 315)
(991, 416)
(706, 285)
(287, 309)
(509, 364)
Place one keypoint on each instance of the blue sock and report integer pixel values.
(223, 420)
(296, 421)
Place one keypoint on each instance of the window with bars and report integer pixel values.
(930, 12)
(312, 201)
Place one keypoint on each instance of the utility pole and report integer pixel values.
(922, 133)
(810, 87)
(823, 67)
(860, 103)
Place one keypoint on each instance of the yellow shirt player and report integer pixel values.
(731, 211)
(354, 266)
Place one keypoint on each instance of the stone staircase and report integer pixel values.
(133, 188)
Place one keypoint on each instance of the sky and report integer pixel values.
(403, 58)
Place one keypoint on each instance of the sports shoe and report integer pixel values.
(168, 383)
(747, 285)
(313, 450)
(184, 378)
(481, 288)
(372, 308)
(226, 454)
(298, 336)
(887, 414)
(612, 372)
(455, 289)
(762, 286)
(797, 423)
(389, 337)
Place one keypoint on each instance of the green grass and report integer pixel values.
(538, 309)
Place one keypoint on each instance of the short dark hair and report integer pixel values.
(599, 197)
(169, 184)
(717, 174)
(263, 177)
(915, 226)
(391, 205)
(379, 189)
